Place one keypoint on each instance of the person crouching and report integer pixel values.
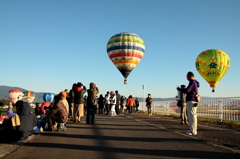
(57, 114)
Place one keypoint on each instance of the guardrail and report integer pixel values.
(215, 108)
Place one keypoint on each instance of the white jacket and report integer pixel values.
(107, 99)
(113, 100)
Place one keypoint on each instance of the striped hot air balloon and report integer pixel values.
(29, 96)
(125, 51)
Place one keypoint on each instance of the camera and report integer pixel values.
(195, 104)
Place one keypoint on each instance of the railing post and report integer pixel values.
(167, 107)
(220, 109)
(153, 108)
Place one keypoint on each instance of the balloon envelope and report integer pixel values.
(48, 97)
(45, 104)
(125, 51)
(29, 96)
(212, 65)
(15, 95)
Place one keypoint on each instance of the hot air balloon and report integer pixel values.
(125, 50)
(212, 65)
(45, 104)
(48, 97)
(29, 96)
(15, 95)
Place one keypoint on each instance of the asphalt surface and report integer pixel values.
(117, 137)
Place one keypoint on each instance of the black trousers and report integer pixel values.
(117, 108)
(52, 118)
(100, 109)
(107, 108)
(90, 114)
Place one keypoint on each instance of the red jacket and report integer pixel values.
(130, 102)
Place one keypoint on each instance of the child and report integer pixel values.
(182, 104)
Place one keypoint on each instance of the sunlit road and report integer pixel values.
(116, 137)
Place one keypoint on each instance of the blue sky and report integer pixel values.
(46, 46)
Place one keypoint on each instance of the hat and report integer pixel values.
(92, 85)
(63, 95)
(111, 92)
(79, 84)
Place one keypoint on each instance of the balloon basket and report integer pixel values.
(213, 90)
(125, 81)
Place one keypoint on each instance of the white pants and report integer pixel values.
(112, 112)
(192, 116)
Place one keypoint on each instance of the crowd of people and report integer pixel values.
(67, 105)
(74, 104)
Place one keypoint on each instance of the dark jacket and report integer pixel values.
(122, 100)
(118, 98)
(78, 95)
(182, 101)
(28, 121)
(92, 93)
(60, 111)
(137, 103)
(149, 101)
(191, 90)
(70, 97)
(38, 110)
(101, 102)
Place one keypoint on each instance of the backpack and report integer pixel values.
(182, 99)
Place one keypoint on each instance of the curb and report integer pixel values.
(7, 148)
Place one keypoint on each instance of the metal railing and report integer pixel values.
(215, 108)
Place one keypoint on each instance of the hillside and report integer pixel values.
(5, 89)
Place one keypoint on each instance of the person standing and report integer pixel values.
(182, 104)
(137, 104)
(85, 104)
(130, 103)
(100, 104)
(118, 99)
(91, 102)
(149, 104)
(107, 103)
(79, 102)
(71, 100)
(122, 103)
(191, 91)
(113, 101)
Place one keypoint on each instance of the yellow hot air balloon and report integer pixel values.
(212, 65)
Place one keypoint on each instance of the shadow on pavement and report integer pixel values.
(166, 153)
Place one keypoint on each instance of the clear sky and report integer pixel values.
(46, 46)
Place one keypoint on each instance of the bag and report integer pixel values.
(179, 103)
(198, 98)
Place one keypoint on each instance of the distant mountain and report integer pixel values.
(5, 89)
(168, 99)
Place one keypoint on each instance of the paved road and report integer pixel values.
(116, 137)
